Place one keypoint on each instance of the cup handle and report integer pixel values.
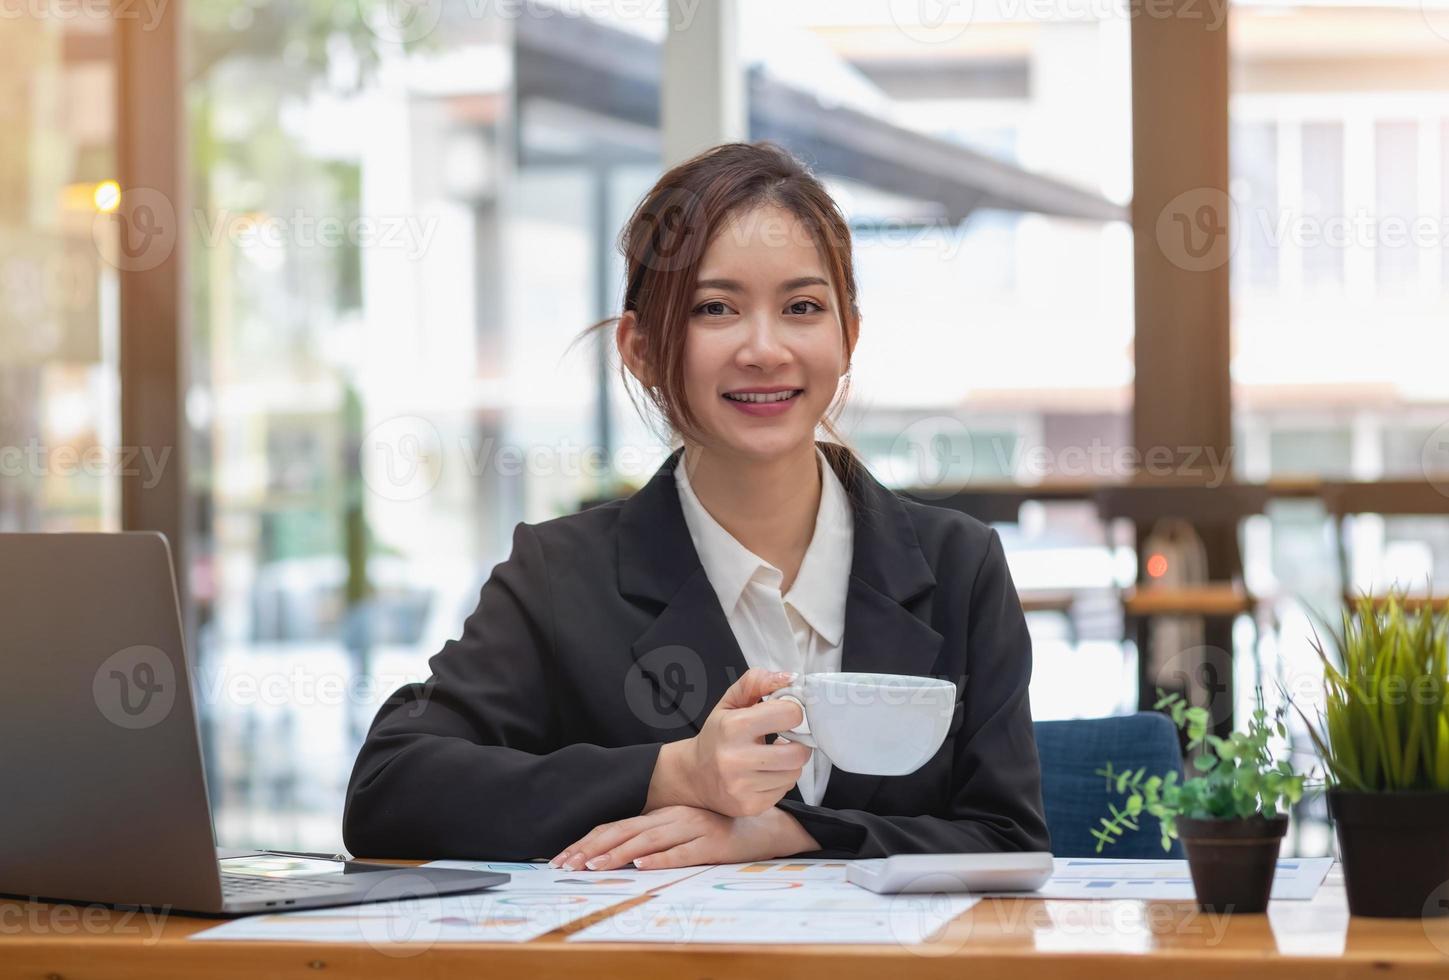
(801, 732)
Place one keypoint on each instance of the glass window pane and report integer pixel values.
(392, 247)
(1444, 200)
(59, 403)
(1323, 189)
(1335, 277)
(1396, 200)
(1254, 155)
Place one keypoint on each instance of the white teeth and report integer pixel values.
(778, 396)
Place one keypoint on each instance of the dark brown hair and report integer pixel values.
(663, 244)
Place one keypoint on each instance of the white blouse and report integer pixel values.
(800, 631)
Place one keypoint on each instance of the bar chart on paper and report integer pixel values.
(802, 867)
(815, 878)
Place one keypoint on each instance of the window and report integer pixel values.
(1396, 204)
(391, 249)
(1254, 154)
(1339, 124)
(1323, 190)
(1339, 299)
(60, 457)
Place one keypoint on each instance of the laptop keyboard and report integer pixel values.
(244, 886)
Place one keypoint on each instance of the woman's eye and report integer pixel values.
(713, 308)
(805, 302)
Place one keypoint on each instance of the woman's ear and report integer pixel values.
(853, 337)
(632, 346)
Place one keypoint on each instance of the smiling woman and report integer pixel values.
(743, 250)
(607, 702)
(776, 348)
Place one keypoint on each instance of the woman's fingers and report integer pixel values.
(780, 785)
(779, 756)
(768, 717)
(576, 856)
(773, 795)
(684, 855)
(776, 768)
(649, 842)
(601, 838)
(752, 685)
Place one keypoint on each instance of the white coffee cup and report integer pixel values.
(878, 724)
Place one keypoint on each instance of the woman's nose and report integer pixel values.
(763, 344)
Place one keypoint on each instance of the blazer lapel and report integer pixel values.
(689, 652)
(882, 635)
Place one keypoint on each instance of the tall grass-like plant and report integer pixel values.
(1384, 726)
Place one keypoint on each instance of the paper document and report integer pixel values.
(1166, 880)
(537, 876)
(777, 902)
(480, 917)
(536, 899)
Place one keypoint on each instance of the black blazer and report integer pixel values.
(600, 638)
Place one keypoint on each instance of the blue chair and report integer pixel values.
(1076, 798)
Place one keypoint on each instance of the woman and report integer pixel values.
(603, 705)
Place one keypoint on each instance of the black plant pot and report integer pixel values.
(1232, 861)
(1395, 851)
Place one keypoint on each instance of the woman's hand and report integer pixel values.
(728, 767)
(681, 836)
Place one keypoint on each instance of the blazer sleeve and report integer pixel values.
(997, 801)
(469, 763)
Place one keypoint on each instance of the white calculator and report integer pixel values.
(1016, 871)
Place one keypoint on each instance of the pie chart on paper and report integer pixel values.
(762, 885)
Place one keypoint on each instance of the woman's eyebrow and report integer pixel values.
(735, 286)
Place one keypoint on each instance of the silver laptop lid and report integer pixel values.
(105, 793)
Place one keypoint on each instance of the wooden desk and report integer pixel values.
(1019, 938)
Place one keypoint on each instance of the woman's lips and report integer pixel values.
(764, 409)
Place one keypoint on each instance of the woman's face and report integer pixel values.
(763, 319)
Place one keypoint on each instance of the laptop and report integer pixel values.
(105, 793)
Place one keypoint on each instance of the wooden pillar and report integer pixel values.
(149, 255)
(1181, 219)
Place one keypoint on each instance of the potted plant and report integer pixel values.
(1383, 733)
(1227, 816)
